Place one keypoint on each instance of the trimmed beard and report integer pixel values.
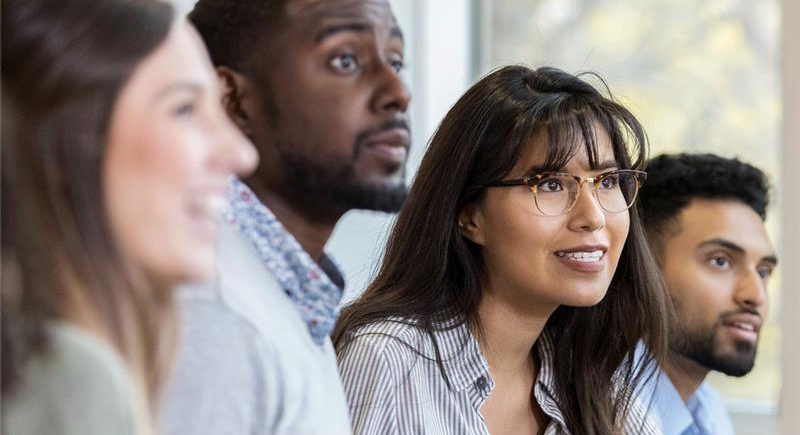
(339, 188)
(336, 189)
(701, 345)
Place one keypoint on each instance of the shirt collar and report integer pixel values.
(699, 410)
(673, 413)
(465, 366)
(315, 289)
(545, 388)
(461, 356)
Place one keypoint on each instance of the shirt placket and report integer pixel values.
(479, 391)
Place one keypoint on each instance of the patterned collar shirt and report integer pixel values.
(392, 390)
(314, 288)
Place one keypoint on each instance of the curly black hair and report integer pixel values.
(233, 29)
(673, 180)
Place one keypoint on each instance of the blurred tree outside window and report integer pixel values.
(702, 76)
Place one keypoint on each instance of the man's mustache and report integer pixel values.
(362, 137)
(746, 310)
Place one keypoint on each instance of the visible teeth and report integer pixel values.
(587, 257)
(744, 326)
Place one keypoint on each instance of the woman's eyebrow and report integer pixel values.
(608, 164)
(538, 169)
(180, 86)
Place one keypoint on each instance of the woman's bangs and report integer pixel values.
(570, 126)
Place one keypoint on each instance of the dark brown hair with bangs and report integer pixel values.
(431, 275)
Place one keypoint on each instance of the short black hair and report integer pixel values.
(232, 29)
(674, 180)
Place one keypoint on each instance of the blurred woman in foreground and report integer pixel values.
(116, 152)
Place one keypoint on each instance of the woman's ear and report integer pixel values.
(470, 223)
(234, 89)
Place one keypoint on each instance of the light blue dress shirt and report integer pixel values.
(704, 414)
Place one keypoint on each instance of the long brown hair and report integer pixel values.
(64, 64)
(431, 275)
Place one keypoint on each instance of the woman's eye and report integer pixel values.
(720, 262)
(550, 185)
(184, 110)
(344, 63)
(609, 182)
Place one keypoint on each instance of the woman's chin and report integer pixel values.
(197, 268)
(586, 298)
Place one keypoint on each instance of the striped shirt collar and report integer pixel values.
(466, 367)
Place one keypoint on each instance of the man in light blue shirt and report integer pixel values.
(704, 216)
(704, 413)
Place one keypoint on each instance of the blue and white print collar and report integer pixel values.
(313, 292)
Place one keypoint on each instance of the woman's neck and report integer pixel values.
(508, 333)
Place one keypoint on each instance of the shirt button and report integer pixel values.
(481, 383)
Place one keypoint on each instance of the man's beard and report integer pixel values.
(338, 188)
(701, 345)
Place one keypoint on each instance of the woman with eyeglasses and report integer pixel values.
(517, 280)
(115, 153)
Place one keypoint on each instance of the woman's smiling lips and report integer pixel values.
(587, 258)
(206, 208)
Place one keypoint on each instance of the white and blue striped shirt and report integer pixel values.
(393, 390)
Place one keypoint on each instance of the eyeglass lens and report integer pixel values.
(557, 194)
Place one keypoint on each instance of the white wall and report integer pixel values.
(790, 245)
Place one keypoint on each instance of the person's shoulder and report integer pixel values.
(242, 300)
(380, 355)
(649, 374)
(395, 344)
(212, 321)
(244, 285)
(390, 334)
(76, 377)
(641, 419)
(70, 344)
(83, 363)
(224, 371)
(219, 339)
